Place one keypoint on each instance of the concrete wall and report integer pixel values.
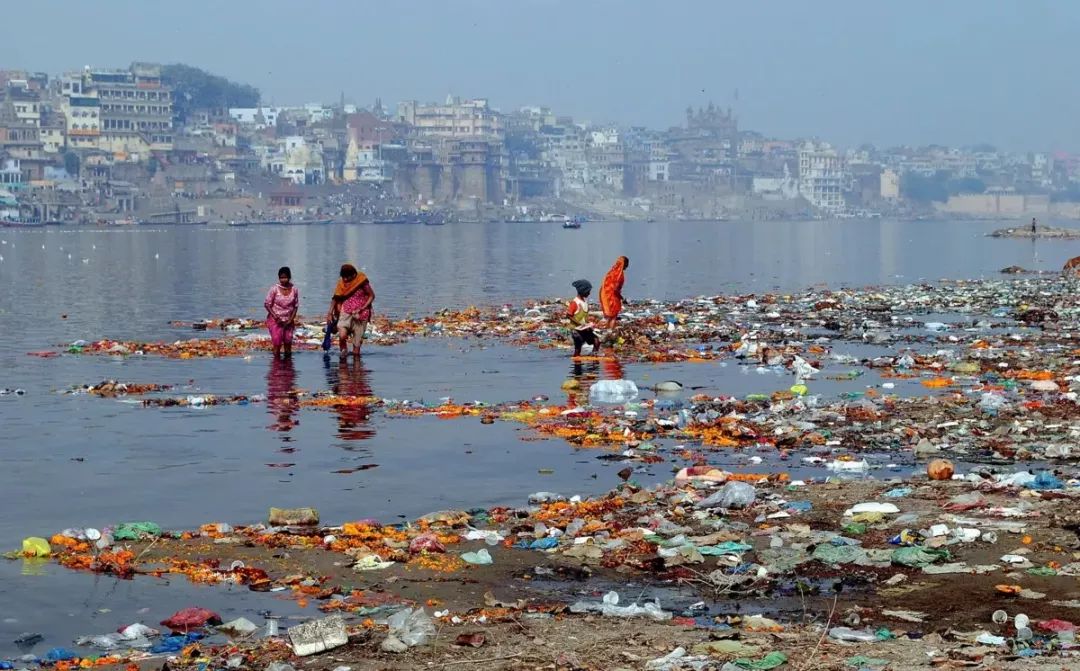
(996, 204)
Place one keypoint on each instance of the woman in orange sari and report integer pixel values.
(351, 308)
(611, 298)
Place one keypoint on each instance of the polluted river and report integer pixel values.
(843, 444)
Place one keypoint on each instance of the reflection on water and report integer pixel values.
(281, 399)
(611, 368)
(587, 370)
(351, 378)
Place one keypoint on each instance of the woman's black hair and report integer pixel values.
(284, 270)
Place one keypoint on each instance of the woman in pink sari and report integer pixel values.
(282, 303)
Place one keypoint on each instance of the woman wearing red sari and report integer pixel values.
(611, 298)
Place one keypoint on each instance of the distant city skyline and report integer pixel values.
(848, 72)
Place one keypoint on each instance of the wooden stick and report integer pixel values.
(480, 661)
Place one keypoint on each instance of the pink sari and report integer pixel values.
(280, 308)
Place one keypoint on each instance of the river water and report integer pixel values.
(72, 461)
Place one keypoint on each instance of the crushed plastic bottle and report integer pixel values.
(849, 635)
(610, 607)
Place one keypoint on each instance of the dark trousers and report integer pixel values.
(583, 336)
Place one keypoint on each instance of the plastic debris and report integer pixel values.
(133, 531)
(731, 495)
(481, 557)
(609, 607)
(289, 517)
(318, 636)
(238, 627)
(191, 618)
(411, 627)
(849, 635)
(613, 391)
(769, 661)
(36, 547)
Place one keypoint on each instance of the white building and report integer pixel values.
(822, 176)
(259, 117)
(454, 118)
(317, 113)
(776, 188)
(366, 165)
(890, 184)
(567, 154)
(604, 137)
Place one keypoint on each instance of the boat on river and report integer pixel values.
(20, 222)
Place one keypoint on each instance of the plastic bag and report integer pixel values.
(732, 495)
(1045, 480)
(412, 627)
(426, 543)
(481, 557)
(328, 337)
(133, 531)
(613, 391)
(36, 547)
(802, 369)
(917, 556)
(853, 635)
(769, 661)
(839, 554)
(191, 618)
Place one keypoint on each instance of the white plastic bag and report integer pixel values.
(613, 391)
(412, 627)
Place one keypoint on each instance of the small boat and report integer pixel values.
(571, 224)
(18, 222)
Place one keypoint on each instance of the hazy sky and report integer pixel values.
(916, 72)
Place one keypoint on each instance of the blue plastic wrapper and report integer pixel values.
(60, 655)
(1046, 480)
(538, 544)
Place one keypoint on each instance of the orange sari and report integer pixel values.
(345, 289)
(611, 289)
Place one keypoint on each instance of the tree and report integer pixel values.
(194, 88)
(922, 189)
(967, 185)
(71, 163)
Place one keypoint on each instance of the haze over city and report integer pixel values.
(851, 72)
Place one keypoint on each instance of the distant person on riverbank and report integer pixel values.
(1034, 226)
(351, 308)
(282, 303)
(611, 298)
(581, 322)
